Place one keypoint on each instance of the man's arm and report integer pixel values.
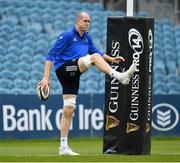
(113, 59)
(46, 77)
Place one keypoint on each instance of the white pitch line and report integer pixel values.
(93, 162)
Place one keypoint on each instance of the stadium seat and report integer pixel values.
(158, 77)
(5, 91)
(30, 91)
(34, 74)
(20, 83)
(36, 26)
(39, 58)
(6, 83)
(90, 91)
(22, 74)
(17, 91)
(25, 57)
(170, 56)
(159, 66)
(173, 87)
(143, 14)
(171, 67)
(160, 88)
(37, 66)
(24, 20)
(91, 84)
(7, 74)
(11, 57)
(10, 65)
(173, 77)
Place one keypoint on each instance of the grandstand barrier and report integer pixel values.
(26, 117)
(127, 121)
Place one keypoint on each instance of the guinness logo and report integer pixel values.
(147, 127)
(131, 127)
(111, 122)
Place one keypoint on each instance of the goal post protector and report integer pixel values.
(127, 112)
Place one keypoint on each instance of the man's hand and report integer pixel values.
(45, 80)
(43, 83)
(117, 59)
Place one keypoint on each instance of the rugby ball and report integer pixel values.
(44, 93)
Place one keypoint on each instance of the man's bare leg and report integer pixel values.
(104, 67)
(66, 119)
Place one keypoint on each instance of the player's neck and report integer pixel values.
(81, 33)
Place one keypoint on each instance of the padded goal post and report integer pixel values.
(127, 114)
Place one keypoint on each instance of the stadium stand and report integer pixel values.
(29, 28)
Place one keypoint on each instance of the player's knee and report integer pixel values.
(70, 102)
(87, 61)
(95, 57)
(69, 106)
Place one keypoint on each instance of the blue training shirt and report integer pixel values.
(70, 45)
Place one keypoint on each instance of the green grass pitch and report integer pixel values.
(163, 150)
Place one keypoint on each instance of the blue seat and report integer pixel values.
(91, 84)
(171, 67)
(170, 56)
(17, 35)
(57, 26)
(35, 74)
(20, 84)
(2, 58)
(38, 66)
(30, 36)
(27, 49)
(97, 6)
(168, 42)
(13, 19)
(15, 42)
(119, 13)
(173, 92)
(22, 74)
(143, 13)
(23, 20)
(90, 91)
(81, 91)
(11, 57)
(36, 26)
(38, 58)
(10, 66)
(6, 83)
(173, 78)
(32, 82)
(160, 88)
(158, 77)
(160, 92)
(173, 87)
(75, 5)
(55, 84)
(159, 66)
(5, 91)
(17, 91)
(7, 74)
(25, 57)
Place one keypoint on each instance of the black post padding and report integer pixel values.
(127, 115)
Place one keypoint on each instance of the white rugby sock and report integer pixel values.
(64, 142)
